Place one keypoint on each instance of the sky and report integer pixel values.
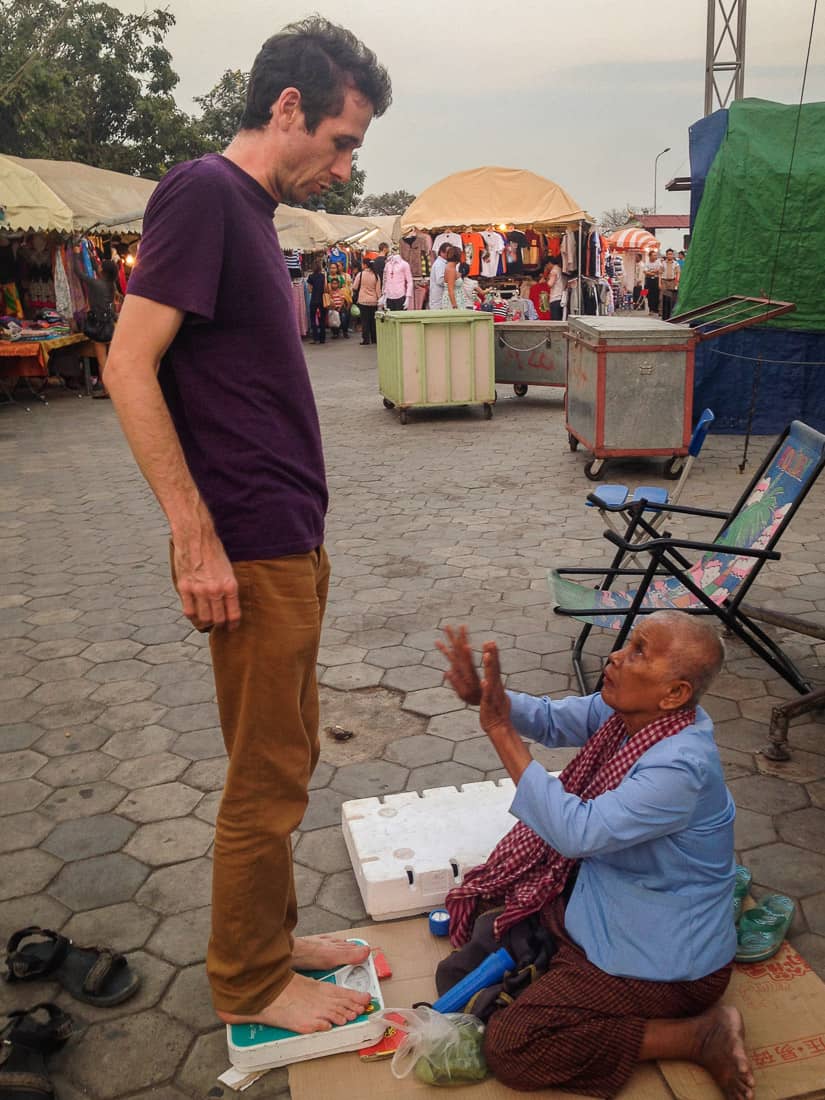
(585, 92)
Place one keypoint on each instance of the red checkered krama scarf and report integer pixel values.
(525, 870)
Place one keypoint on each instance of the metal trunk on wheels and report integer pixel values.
(531, 353)
(629, 389)
(430, 358)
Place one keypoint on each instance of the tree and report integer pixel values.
(390, 202)
(80, 80)
(620, 217)
(222, 109)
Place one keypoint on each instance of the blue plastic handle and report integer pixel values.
(491, 971)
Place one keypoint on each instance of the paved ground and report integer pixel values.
(112, 762)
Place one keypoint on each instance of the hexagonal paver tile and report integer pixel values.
(123, 691)
(330, 655)
(767, 795)
(75, 739)
(62, 691)
(117, 671)
(814, 909)
(190, 1001)
(351, 677)
(180, 693)
(307, 883)
(206, 775)
(340, 894)
(414, 752)
(369, 778)
(34, 909)
(198, 716)
(313, 920)
(112, 1057)
(804, 828)
(25, 794)
(62, 668)
(324, 809)
(163, 842)
(449, 774)
(26, 872)
(168, 653)
(207, 809)
(88, 836)
(178, 888)
(62, 716)
(787, 869)
(182, 939)
(542, 642)
(478, 753)
(134, 743)
(147, 771)
(167, 800)
(60, 647)
(23, 830)
(76, 768)
(20, 765)
(412, 678)
(753, 830)
(102, 880)
(207, 1059)
(432, 701)
(394, 656)
(103, 652)
(200, 745)
(20, 736)
(85, 801)
(131, 716)
(124, 926)
(457, 726)
(324, 850)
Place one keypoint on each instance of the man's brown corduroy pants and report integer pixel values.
(268, 702)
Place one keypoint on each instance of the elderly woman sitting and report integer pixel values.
(626, 860)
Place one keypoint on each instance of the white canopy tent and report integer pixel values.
(27, 203)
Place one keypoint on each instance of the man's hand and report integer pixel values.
(206, 584)
(461, 675)
(495, 706)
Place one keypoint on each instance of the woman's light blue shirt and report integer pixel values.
(654, 893)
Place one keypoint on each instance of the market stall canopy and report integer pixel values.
(311, 230)
(633, 240)
(95, 196)
(27, 203)
(488, 196)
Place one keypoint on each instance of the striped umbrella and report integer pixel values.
(633, 240)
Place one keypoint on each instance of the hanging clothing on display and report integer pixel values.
(494, 246)
(570, 252)
(337, 255)
(473, 244)
(448, 237)
(516, 241)
(531, 252)
(415, 249)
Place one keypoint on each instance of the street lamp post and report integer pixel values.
(655, 167)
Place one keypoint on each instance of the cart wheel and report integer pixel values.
(388, 404)
(595, 469)
(673, 467)
(572, 442)
(402, 415)
(488, 411)
(519, 389)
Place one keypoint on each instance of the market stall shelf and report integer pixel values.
(429, 358)
(29, 361)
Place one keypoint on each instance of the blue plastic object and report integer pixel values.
(491, 971)
(440, 922)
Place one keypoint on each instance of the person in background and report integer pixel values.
(653, 272)
(397, 284)
(339, 300)
(99, 325)
(380, 260)
(208, 376)
(367, 286)
(669, 283)
(453, 283)
(437, 293)
(471, 292)
(680, 259)
(318, 291)
(556, 282)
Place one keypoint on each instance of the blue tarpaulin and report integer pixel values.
(705, 137)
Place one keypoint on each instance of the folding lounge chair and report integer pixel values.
(715, 580)
(614, 501)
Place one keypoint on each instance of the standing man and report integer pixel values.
(437, 288)
(653, 271)
(669, 283)
(208, 378)
(380, 261)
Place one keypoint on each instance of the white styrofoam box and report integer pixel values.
(410, 849)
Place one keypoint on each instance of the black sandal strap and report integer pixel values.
(21, 966)
(30, 1082)
(24, 1030)
(106, 963)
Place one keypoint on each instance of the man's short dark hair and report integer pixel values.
(323, 61)
(383, 247)
(442, 251)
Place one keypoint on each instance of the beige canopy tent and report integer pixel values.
(95, 196)
(488, 196)
(312, 230)
(27, 203)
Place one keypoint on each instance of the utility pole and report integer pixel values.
(725, 56)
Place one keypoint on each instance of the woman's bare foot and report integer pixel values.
(721, 1050)
(326, 952)
(305, 1005)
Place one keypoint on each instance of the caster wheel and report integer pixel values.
(673, 467)
(488, 411)
(519, 389)
(594, 470)
(402, 415)
(572, 442)
(388, 404)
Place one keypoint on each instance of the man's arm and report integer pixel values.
(205, 581)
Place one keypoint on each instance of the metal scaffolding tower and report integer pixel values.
(725, 57)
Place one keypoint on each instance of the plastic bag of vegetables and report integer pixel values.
(440, 1049)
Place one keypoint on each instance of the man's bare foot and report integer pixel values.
(326, 953)
(305, 1005)
(721, 1050)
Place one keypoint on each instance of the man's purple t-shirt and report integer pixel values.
(235, 378)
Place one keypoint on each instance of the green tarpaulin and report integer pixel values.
(737, 239)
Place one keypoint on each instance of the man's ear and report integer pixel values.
(286, 109)
(678, 695)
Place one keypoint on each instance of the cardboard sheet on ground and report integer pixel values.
(782, 1000)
